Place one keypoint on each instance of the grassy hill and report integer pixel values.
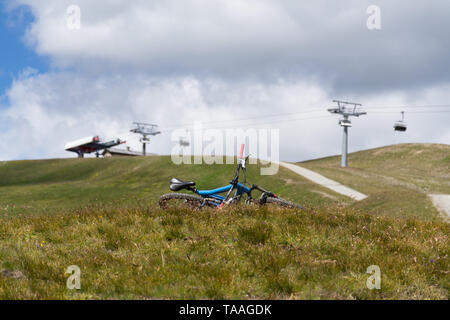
(101, 215)
(397, 178)
(52, 186)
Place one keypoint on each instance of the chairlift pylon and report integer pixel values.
(401, 125)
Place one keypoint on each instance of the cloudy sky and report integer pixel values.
(219, 61)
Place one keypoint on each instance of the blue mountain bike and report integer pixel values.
(213, 198)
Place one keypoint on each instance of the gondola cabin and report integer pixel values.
(400, 125)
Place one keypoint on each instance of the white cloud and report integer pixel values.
(264, 39)
(47, 110)
(174, 62)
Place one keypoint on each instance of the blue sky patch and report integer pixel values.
(14, 54)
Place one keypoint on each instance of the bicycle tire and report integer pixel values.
(283, 203)
(189, 200)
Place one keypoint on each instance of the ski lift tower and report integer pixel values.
(145, 129)
(346, 109)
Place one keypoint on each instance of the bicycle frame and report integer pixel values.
(240, 188)
(215, 193)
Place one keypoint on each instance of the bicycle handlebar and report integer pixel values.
(241, 154)
(241, 165)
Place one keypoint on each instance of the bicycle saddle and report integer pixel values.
(177, 184)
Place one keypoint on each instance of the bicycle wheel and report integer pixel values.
(173, 200)
(282, 203)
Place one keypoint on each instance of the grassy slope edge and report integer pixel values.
(397, 178)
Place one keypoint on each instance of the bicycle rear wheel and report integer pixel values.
(282, 203)
(176, 200)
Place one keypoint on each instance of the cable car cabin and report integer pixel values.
(345, 123)
(400, 126)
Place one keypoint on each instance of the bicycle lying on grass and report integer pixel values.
(212, 198)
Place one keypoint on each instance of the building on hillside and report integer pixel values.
(90, 144)
(116, 152)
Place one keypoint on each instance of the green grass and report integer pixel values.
(52, 186)
(397, 178)
(101, 215)
(240, 253)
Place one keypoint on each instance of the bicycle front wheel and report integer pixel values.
(282, 203)
(176, 200)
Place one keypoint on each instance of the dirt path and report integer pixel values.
(325, 182)
(442, 202)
